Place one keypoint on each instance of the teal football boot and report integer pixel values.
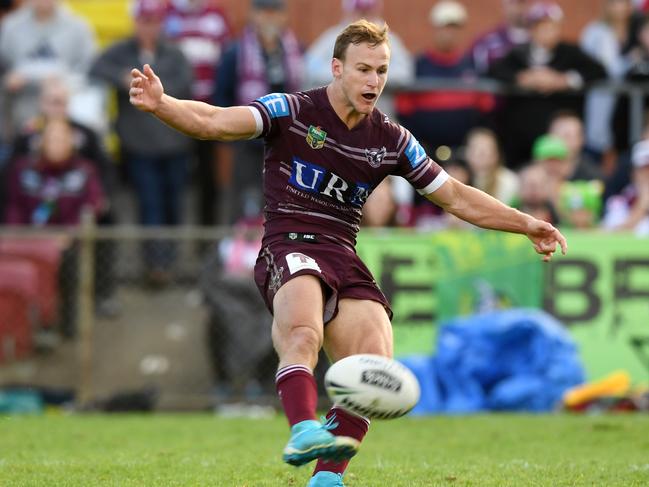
(311, 439)
(326, 479)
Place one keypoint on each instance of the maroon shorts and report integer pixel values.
(338, 267)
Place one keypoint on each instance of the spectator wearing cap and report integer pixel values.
(578, 202)
(551, 152)
(201, 30)
(318, 55)
(156, 157)
(444, 116)
(495, 44)
(266, 58)
(550, 75)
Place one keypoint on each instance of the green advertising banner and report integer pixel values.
(431, 277)
(600, 290)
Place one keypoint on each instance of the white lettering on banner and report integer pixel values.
(298, 262)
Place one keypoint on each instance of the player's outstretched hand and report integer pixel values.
(146, 89)
(545, 239)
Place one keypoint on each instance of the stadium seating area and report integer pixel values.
(29, 293)
(545, 151)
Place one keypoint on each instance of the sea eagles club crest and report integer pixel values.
(375, 156)
(316, 137)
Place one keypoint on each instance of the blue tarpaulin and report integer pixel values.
(513, 360)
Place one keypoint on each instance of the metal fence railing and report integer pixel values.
(80, 313)
(636, 92)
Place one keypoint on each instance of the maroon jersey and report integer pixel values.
(42, 194)
(318, 173)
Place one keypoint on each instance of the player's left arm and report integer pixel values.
(474, 206)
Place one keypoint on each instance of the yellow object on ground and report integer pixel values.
(615, 384)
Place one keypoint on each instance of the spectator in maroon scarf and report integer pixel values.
(53, 187)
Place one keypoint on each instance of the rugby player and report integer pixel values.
(326, 149)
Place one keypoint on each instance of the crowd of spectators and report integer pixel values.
(543, 141)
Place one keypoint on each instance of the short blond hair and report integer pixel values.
(359, 32)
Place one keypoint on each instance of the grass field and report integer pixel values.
(204, 450)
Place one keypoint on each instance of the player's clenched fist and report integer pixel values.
(146, 89)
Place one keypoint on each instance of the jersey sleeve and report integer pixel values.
(423, 173)
(271, 111)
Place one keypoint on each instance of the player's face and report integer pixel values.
(363, 74)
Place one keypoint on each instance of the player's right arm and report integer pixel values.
(196, 119)
(477, 207)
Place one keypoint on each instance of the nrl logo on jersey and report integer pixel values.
(375, 156)
(316, 137)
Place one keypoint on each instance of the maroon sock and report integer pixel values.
(298, 392)
(349, 424)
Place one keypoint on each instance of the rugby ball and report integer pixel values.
(372, 386)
